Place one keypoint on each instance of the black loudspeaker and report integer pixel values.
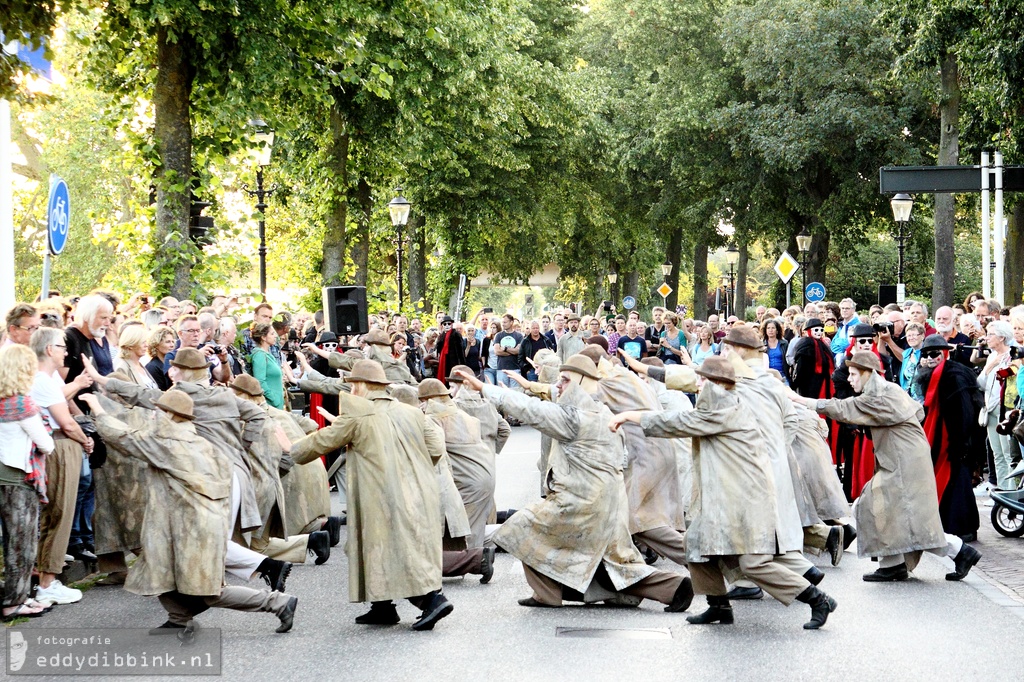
(886, 294)
(345, 310)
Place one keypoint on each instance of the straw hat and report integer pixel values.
(190, 358)
(865, 360)
(245, 383)
(176, 402)
(580, 364)
(432, 388)
(717, 368)
(367, 371)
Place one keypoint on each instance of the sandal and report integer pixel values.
(23, 611)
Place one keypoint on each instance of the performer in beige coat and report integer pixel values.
(187, 519)
(394, 514)
(735, 522)
(897, 515)
(575, 543)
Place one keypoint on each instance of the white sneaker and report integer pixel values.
(56, 593)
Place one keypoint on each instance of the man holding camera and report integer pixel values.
(892, 340)
(191, 335)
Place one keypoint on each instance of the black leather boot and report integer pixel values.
(682, 598)
(814, 575)
(963, 562)
(380, 613)
(719, 611)
(821, 605)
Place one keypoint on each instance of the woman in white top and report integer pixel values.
(134, 343)
(999, 338)
(24, 442)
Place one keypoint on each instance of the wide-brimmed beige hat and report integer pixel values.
(745, 337)
(190, 358)
(377, 338)
(405, 394)
(581, 364)
(455, 378)
(432, 388)
(176, 402)
(717, 369)
(865, 360)
(245, 383)
(367, 371)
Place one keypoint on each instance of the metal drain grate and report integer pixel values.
(614, 633)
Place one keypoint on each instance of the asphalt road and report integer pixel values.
(925, 628)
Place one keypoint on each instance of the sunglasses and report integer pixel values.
(932, 354)
(446, 324)
(866, 341)
(328, 346)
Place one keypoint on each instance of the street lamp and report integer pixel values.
(666, 269)
(732, 255)
(803, 244)
(902, 206)
(399, 210)
(264, 137)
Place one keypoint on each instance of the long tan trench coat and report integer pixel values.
(394, 370)
(733, 510)
(898, 511)
(818, 483)
(306, 490)
(394, 517)
(651, 474)
(494, 430)
(676, 401)
(264, 458)
(583, 522)
(122, 486)
(472, 464)
(227, 422)
(187, 516)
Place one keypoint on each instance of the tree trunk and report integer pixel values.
(674, 256)
(817, 259)
(741, 283)
(332, 267)
(632, 284)
(172, 94)
(361, 242)
(1014, 270)
(700, 282)
(949, 155)
(417, 264)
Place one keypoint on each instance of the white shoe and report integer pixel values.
(57, 593)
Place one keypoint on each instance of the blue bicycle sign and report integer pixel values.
(815, 291)
(58, 214)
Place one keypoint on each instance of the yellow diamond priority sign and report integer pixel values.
(786, 267)
(664, 290)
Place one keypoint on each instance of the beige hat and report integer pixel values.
(176, 402)
(367, 371)
(405, 394)
(377, 338)
(572, 316)
(432, 388)
(245, 383)
(717, 369)
(581, 364)
(454, 378)
(865, 360)
(745, 337)
(190, 358)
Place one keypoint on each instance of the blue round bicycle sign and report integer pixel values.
(629, 303)
(815, 291)
(58, 215)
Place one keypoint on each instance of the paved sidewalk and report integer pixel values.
(1002, 562)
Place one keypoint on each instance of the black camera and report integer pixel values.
(218, 350)
(884, 327)
(606, 305)
(1016, 352)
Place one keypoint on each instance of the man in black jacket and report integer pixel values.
(531, 345)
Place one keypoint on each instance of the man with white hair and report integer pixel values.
(841, 341)
(919, 313)
(945, 326)
(227, 331)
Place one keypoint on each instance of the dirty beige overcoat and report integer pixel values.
(583, 522)
(122, 486)
(307, 496)
(898, 511)
(187, 517)
(227, 422)
(733, 510)
(818, 483)
(394, 510)
(494, 429)
(394, 370)
(676, 401)
(472, 464)
(264, 458)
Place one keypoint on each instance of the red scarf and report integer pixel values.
(824, 365)
(863, 462)
(17, 408)
(935, 430)
(442, 359)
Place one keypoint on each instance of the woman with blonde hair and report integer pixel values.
(134, 345)
(24, 442)
(161, 341)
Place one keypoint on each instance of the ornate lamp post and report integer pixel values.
(264, 137)
(399, 209)
(803, 244)
(732, 255)
(902, 206)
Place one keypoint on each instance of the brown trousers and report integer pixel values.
(181, 608)
(468, 561)
(63, 467)
(666, 542)
(660, 586)
(760, 569)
